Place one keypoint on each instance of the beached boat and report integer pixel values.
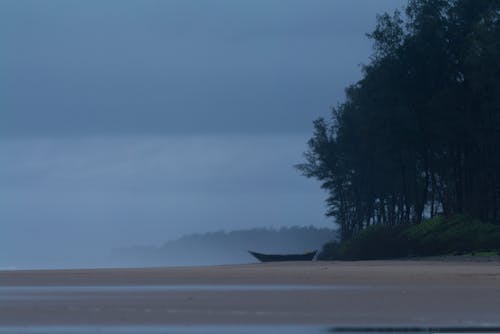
(284, 257)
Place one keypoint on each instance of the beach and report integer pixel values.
(430, 293)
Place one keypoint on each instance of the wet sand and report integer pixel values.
(318, 293)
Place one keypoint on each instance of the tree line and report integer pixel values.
(221, 247)
(419, 134)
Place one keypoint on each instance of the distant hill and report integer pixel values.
(226, 247)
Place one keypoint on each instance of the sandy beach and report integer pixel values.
(316, 293)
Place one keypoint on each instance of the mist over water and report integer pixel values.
(133, 123)
(227, 247)
(72, 203)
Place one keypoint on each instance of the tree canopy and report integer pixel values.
(419, 134)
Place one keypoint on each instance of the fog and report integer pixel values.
(86, 196)
(136, 122)
(221, 247)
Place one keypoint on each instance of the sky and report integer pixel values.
(135, 122)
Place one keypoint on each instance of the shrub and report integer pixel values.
(438, 236)
(375, 242)
(453, 235)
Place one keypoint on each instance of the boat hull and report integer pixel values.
(283, 257)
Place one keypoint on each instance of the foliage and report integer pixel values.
(437, 236)
(455, 235)
(419, 134)
(375, 242)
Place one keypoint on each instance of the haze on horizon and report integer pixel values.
(135, 122)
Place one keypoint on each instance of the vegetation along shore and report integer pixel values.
(411, 159)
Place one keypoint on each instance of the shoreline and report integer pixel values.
(424, 270)
(374, 293)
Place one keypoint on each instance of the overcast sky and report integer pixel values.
(134, 122)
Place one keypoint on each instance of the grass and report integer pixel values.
(484, 254)
(456, 235)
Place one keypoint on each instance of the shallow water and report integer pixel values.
(80, 291)
(162, 329)
(87, 309)
(5, 289)
(231, 329)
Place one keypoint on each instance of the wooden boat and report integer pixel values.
(284, 257)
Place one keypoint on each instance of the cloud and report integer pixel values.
(127, 122)
(163, 67)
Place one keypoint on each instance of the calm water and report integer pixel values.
(54, 295)
(162, 329)
(174, 287)
(37, 293)
(228, 329)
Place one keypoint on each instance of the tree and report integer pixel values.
(419, 134)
